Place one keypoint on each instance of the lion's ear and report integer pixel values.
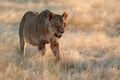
(51, 15)
(65, 15)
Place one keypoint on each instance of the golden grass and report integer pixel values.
(90, 48)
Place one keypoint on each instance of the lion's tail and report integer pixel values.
(21, 36)
(21, 27)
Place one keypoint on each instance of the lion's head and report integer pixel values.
(58, 24)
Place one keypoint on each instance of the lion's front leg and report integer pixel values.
(41, 48)
(55, 50)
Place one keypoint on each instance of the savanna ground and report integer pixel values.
(90, 48)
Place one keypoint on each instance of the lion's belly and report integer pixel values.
(35, 40)
(31, 40)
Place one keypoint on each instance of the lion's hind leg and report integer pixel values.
(22, 46)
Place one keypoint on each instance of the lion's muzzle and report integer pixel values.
(58, 35)
(61, 31)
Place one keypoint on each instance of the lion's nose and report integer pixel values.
(61, 31)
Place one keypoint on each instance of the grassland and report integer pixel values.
(90, 47)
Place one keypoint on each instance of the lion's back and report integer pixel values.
(30, 14)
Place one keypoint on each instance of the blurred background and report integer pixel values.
(84, 15)
(90, 47)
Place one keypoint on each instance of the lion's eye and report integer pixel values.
(57, 25)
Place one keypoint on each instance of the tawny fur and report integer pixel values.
(39, 29)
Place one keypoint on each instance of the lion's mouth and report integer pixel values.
(58, 36)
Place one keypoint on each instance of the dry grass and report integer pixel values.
(90, 48)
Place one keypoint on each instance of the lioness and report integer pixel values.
(39, 29)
